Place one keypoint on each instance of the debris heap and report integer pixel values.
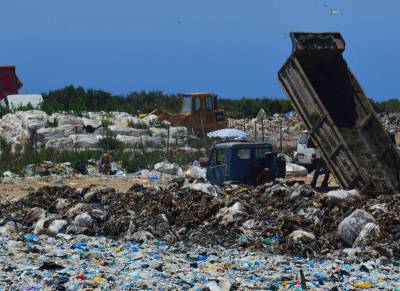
(275, 217)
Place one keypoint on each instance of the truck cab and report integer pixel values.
(306, 154)
(244, 162)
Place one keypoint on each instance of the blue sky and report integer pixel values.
(233, 48)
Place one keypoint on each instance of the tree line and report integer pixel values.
(78, 99)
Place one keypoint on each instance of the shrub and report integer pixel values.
(109, 142)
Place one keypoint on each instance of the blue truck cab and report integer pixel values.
(244, 162)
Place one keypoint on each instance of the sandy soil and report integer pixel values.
(20, 186)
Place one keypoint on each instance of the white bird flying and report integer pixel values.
(333, 11)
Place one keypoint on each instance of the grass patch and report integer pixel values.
(131, 161)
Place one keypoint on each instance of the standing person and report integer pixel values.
(320, 166)
(105, 164)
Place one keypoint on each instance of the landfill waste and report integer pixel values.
(168, 168)
(278, 129)
(340, 196)
(80, 262)
(9, 174)
(206, 188)
(134, 132)
(279, 218)
(233, 237)
(352, 225)
(62, 130)
(196, 172)
(390, 120)
(294, 170)
(47, 168)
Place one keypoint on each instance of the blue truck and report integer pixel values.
(244, 162)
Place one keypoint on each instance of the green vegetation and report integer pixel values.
(388, 106)
(131, 161)
(78, 99)
(109, 141)
(4, 111)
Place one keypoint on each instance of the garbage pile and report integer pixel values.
(63, 130)
(47, 168)
(289, 125)
(274, 217)
(33, 262)
(66, 169)
(390, 120)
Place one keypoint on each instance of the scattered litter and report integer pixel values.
(294, 170)
(195, 172)
(168, 168)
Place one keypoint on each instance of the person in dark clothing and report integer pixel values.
(319, 169)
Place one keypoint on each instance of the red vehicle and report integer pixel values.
(9, 82)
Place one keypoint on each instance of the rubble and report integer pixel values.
(124, 131)
(237, 229)
(196, 172)
(83, 220)
(301, 236)
(369, 230)
(205, 188)
(338, 197)
(81, 263)
(8, 228)
(60, 143)
(351, 226)
(279, 126)
(66, 119)
(85, 141)
(294, 170)
(276, 217)
(57, 226)
(168, 168)
(47, 168)
(63, 130)
(57, 130)
(13, 131)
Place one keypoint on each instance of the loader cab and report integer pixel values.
(244, 162)
(203, 112)
(199, 102)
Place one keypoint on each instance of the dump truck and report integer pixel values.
(9, 83)
(338, 115)
(200, 113)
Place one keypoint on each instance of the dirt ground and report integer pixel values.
(20, 186)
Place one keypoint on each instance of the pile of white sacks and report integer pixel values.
(67, 131)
